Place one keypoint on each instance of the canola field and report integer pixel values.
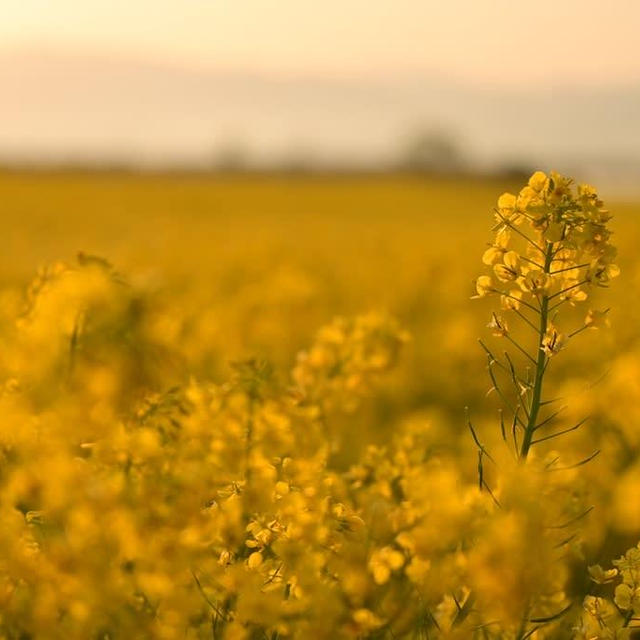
(262, 408)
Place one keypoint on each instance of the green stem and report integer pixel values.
(523, 624)
(541, 362)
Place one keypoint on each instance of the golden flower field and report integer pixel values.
(262, 408)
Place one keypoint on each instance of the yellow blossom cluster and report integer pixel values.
(614, 616)
(205, 508)
(551, 243)
(142, 498)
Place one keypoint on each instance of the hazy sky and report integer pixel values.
(514, 42)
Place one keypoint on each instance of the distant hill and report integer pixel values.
(59, 106)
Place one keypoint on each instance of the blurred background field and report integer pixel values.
(233, 266)
(240, 242)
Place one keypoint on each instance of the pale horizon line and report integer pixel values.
(181, 64)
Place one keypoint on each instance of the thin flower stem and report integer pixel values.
(551, 401)
(475, 436)
(578, 464)
(514, 429)
(522, 631)
(491, 356)
(507, 403)
(577, 331)
(496, 361)
(551, 417)
(577, 518)
(540, 366)
(628, 618)
(560, 433)
(566, 541)
(578, 266)
(557, 304)
(531, 631)
(558, 250)
(573, 286)
(511, 226)
(514, 343)
(518, 385)
(533, 326)
(495, 500)
(533, 262)
(551, 618)
(524, 302)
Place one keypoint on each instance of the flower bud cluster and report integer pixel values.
(551, 241)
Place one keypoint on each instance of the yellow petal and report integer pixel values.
(381, 573)
(395, 559)
(537, 181)
(512, 260)
(254, 560)
(507, 201)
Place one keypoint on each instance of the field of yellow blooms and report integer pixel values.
(269, 408)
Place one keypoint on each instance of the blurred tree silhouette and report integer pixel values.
(231, 156)
(432, 150)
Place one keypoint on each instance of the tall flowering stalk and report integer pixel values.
(551, 247)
